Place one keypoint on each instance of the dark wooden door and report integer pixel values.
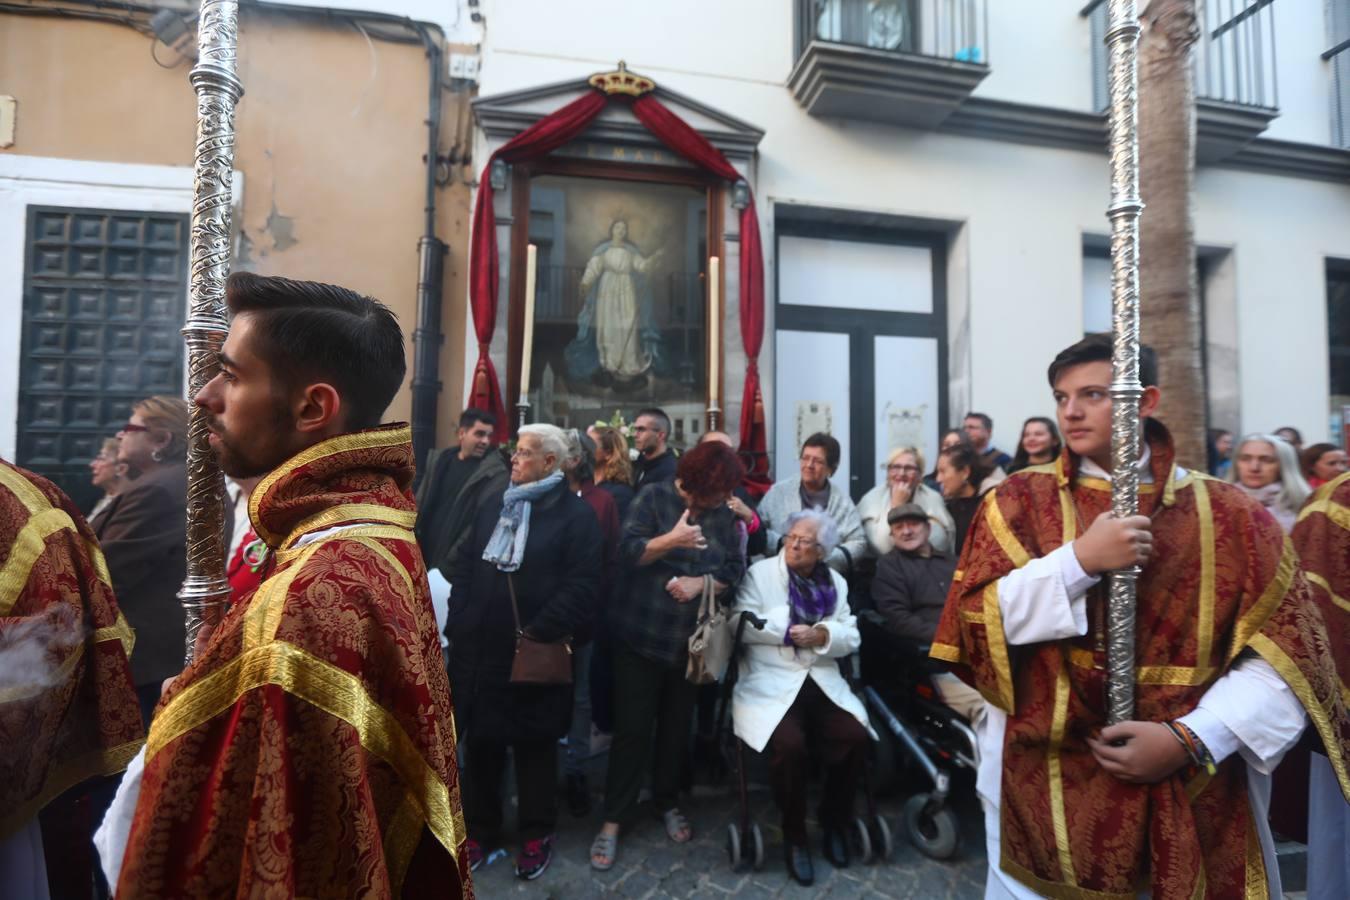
(103, 304)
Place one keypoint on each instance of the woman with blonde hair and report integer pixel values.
(1266, 467)
(613, 468)
(144, 540)
(904, 484)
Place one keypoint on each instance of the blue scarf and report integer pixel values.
(506, 547)
(810, 600)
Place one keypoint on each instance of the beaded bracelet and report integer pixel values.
(1195, 748)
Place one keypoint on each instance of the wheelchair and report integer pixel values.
(927, 734)
(870, 836)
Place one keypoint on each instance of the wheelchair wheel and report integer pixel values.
(882, 843)
(734, 847)
(756, 847)
(935, 834)
(861, 841)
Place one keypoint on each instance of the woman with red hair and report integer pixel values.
(674, 535)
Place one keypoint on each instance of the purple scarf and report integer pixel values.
(810, 600)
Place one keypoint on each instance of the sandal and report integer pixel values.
(604, 847)
(677, 826)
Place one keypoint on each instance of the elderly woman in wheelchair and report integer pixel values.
(790, 693)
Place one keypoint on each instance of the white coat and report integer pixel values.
(771, 672)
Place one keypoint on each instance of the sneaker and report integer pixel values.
(475, 854)
(534, 858)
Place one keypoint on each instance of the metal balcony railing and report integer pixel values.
(943, 29)
(1234, 58)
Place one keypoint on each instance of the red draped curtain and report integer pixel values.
(547, 135)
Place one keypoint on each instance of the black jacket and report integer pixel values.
(442, 526)
(145, 544)
(557, 588)
(911, 590)
(653, 471)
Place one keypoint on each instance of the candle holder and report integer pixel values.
(714, 418)
(522, 413)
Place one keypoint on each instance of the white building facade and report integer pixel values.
(932, 183)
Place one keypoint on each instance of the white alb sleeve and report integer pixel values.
(1250, 710)
(1044, 600)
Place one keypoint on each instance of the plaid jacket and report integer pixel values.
(644, 617)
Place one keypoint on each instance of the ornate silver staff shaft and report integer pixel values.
(1122, 40)
(205, 589)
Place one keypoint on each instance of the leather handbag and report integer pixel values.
(710, 645)
(538, 662)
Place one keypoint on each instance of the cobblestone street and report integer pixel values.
(650, 866)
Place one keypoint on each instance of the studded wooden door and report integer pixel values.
(103, 302)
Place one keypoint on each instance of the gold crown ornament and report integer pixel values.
(622, 81)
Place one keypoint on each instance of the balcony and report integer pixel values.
(1236, 89)
(903, 62)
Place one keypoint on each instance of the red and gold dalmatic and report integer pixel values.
(1322, 538)
(68, 709)
(310, 748)
(1223, 580)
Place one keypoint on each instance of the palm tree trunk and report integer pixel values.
(1169, 305)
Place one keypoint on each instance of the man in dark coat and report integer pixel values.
(656, 461)
(542, 543)
(457, 481)
(913, 579)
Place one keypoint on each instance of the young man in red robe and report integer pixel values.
(1322, 538)
(1231, 662)
(68, 709)
(309, 750)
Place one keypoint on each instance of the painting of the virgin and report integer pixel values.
(617, 340)
(621, 305)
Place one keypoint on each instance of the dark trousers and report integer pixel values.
(650, 699)
(813, 719)
(536, 788)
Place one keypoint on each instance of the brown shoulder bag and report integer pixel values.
(538, 662)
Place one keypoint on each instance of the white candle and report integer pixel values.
(528, 345)
(714, 326)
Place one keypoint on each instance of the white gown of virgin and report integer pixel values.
(617, 337)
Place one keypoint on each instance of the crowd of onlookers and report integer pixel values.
(610, 542)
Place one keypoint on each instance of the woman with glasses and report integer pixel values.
(813, 490)
(109, 476)
(145, 543)
(903, 484)
(530, 569)
(790, 694)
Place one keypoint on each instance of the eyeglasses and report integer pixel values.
(896, 467)
(522, 453)
(132, 428)
(813, 462)
(794, 540)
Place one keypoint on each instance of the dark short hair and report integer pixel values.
(1310, 455)
(827, 443)
(984, 420)
(306, 330)
(709, 471)
(1298, 435)
(473, 415)
(964, 456)
(657, 413)
(1097, 348)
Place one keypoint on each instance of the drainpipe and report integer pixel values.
(431, 250)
